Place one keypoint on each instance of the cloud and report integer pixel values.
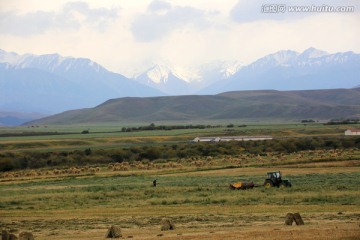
(157, 5)
(162, 18)
(27, 24)
(100, 18)
(71, 17)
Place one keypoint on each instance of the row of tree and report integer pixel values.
(22, 160)
(152, 127)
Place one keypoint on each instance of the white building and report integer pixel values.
(350, 132)
(231, 138)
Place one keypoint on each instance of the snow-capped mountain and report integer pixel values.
(166, 80)
(218, 71)
(290, 70)
(230, 69)
(176, 81)
(311, 53)
(52, 83)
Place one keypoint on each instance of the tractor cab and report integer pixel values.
(274, 176)
(274, 180)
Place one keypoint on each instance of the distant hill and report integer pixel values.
(270, 104)
(15, 118)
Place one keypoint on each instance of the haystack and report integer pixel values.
(5, 235)
(298, 219)
(289, 219)
(114, 232)
(167, 224)
(13, 237)
(26, 236)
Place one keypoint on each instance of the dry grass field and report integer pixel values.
(72, 205)
(81, 200)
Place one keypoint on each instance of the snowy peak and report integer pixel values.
(165, 79)
(229, 69)
(312, 53)
(8, 57)
(53, 63)
(49, 61)
(290, 70)
(280, 58)
(52, 83)
(158, 74)
(310, 57)
(283, 57)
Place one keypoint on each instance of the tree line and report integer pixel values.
(153, 127)
(29, 160)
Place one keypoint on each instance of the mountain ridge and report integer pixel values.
(236, 105)
(51, 83)
(290, 70)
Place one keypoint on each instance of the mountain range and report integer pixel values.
(49, 84)
(174, 81)
(52, 83)
(238, 105)
(290, 70)
(283, 70)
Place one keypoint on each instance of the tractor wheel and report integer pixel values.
(268, 184)
(282, 185)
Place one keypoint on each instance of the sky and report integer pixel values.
(129, 36)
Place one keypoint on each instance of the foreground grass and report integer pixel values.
(198, 201)
(136, 191)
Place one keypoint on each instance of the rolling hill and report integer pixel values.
(267, 104)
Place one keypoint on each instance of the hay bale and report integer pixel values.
(298, 219)
(114, 232)
(167, 224)
(289, 219)
(26, 236)
(5, 235)
(13, 237)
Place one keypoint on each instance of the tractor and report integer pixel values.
(274, 180)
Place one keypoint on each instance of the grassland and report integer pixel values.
(195, 196)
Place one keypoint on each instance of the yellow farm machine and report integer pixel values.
(273, 180)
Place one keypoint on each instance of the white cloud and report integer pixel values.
(71, 17)
(157, 5)
(27, 24)
(154, 25)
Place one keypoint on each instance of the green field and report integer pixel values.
(111, 136)
(136, 191)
